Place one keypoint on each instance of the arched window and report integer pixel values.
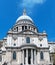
(22, 28)
(41, 55)
(27, 40)
(14, 55)
(25, 27)
(17, 29)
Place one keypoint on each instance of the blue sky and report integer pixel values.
(41, 11)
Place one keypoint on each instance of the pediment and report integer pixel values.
(27, 32)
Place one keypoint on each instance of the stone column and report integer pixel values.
(31, 57)
(23, 57)
(35, 57)
(26, 56)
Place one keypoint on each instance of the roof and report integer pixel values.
(51, 42)
(24, 16)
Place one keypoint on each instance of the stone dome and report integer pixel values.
(24, 17)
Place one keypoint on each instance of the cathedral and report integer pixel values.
(25, 45)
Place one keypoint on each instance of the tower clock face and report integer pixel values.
(14, 37)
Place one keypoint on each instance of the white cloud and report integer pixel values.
(31, 3)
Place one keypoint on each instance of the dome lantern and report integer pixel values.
(24, 12)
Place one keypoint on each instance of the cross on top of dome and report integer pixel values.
(24, 12)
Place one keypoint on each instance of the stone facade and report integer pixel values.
(25, 45)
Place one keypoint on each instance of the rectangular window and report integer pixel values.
(22, 28)
(27, 40)
(25, 27)
(41, 55)
(14, 55)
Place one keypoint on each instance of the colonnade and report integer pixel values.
(29, 56)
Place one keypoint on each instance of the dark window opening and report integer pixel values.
(17, 29)
(14, 44)
(27, 40)
(29, 56)
(41, 45)
(25, 27)
(34, 29)
(22, 28)
(41, 55)
(14, 55)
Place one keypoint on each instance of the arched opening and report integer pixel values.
(41, 55)
(22, 28)
(14, 55)
(28, 40)
(17, 29)
(25, 27)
